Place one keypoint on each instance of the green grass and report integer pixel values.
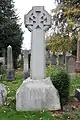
(11, 114)
(8, 111)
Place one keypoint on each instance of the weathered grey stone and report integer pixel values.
(61, 60)
(37, 95)
(25, 69)
(9, 58)
(78, 54)
(38, 21)
(71, 63)
(3, 94)
(37, 92)
(53, 59)
(10, 74)
(10, 70)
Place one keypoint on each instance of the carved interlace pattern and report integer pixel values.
(38, 19)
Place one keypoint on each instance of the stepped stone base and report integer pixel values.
(37, 95)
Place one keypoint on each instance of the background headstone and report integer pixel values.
(71, 62)
(78, 54)
(48, 58)
(25, 69)
(10, 70)
(3, 94)
(53, 59)
(71, 65)
(61, 60)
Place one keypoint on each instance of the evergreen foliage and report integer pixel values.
(10, 29)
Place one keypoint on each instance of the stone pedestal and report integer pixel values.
(37, 95)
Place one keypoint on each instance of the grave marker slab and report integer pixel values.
(71, 63)
(25, 69)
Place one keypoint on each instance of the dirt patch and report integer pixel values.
(73, 104)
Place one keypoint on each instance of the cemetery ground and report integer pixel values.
(8, 111)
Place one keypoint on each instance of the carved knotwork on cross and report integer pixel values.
(37, 18)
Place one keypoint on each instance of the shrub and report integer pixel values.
(49, 71)
(61, 81)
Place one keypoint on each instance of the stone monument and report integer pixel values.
(25, 69)
(37, 92)
(71, 65)
(3, 94)
(10, 70)
(78, 54)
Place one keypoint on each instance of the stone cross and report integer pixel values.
(10, 70)
(38, 21)
(37, 92)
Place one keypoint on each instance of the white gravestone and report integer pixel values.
(37, 92)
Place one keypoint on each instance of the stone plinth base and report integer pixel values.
(78, 66)
(37, 95)
(10, 75)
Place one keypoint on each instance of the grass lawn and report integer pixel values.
(8, 112)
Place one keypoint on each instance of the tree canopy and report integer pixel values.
(67, 14)
(66, 18)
